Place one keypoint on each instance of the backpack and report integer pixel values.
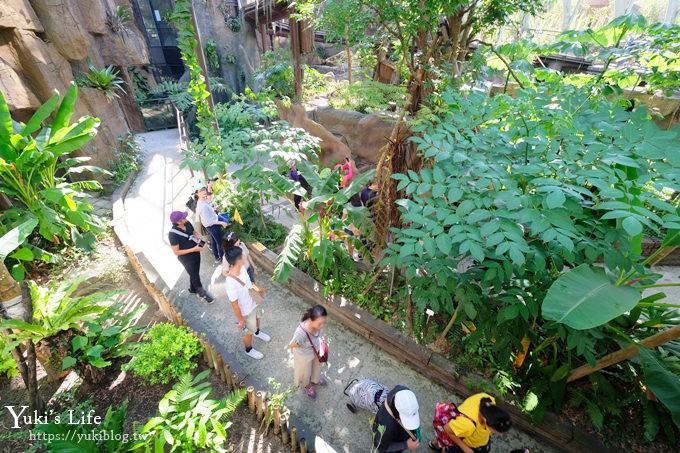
(191, 203)
(443, 414)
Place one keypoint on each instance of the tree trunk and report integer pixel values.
(349, 64)
(34, 400)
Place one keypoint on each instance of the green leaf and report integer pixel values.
(661, 381)
(632, 226)
(40, 115)
(585, 297)
(15, 237)
(23, 254)
(68, 362)
(444, 243)
(79, 342)
(555, 199)
(66, 108)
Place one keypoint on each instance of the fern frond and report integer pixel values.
(233, 401)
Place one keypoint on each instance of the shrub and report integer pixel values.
(166, 354)
(210, 49)
(128, 158)
(189, 419)
(368, 96)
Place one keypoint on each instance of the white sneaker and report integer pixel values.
(263, 336)
(255, 354)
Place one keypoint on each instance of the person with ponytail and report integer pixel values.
(306, 344)
(471, 428)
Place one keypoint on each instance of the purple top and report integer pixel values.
(294, 175)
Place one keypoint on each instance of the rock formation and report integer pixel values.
(45, 43)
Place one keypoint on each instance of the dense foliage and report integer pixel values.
(368, 96)
(36, 172)
(166, 354)
(515, 191)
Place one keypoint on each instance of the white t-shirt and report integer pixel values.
(236, 291)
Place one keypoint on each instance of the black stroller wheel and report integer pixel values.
(352, 408)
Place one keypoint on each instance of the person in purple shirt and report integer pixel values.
(294, 175)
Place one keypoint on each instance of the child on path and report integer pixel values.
(230, 240)
(306, 343)
(247, 312)
(471, 427)
(396, 425)
(210, 220)
(187, 246)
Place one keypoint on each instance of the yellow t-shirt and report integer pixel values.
(473, 436)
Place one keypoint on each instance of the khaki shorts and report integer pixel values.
(251, 319)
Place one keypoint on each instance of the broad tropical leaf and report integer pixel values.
(15, 237)
(661, 381)
(292, 247)
(585, 297)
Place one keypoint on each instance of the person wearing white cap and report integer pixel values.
(396, 426)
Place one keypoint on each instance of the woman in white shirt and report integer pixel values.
(206, 212)
(230, 240)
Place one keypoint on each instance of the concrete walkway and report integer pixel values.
(162, 187)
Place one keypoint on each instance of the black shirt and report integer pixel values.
(368, 197)
(394, 438)
(183, 242)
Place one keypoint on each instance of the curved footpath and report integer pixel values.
(162, 187)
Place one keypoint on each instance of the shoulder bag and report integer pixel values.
(322, 353)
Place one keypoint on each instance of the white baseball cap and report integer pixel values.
(407, 405)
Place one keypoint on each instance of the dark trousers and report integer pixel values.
(192, 264)
(251, 274)
(216, 240)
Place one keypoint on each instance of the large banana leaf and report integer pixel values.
(661, 381)
(15, 237)
(585, 297)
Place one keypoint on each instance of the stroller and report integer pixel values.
(366, 394)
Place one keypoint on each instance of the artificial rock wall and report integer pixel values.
(44, 43)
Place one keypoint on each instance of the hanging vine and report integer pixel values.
(187, 41)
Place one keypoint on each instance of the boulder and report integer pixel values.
(19, 96)
(45, 70)
(19, 14)
(365, 134)
(332, 148)
(62, 22)
(102, 147)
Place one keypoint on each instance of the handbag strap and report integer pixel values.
(236, 278)
(389, 411)
(183, 234)
(316, 353)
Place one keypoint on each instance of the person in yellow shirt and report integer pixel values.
(471, 431)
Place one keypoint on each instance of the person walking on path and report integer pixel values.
(470, 428)
(306, 343)
(247, 311)
(187, 246)
(396, 425)
(210, 220)
(230, 240)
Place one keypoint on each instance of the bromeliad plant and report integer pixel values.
(35, 172)
(105, 80)
(516, 190)
(189, 420)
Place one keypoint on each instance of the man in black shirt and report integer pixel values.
(369, 194)
(187, 246)
(395, 428)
